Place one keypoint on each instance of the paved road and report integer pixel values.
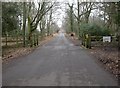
(58, 63)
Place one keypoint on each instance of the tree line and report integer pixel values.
(93, 18)
(27, 21)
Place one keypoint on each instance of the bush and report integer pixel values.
(94, 30)
(105, 31)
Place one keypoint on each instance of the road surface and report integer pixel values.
(57, 63)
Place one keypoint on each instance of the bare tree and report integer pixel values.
(33, 22)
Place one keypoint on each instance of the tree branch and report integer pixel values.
(36, 15)
(40, 17)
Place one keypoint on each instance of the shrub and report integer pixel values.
(94, 30)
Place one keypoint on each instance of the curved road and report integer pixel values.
(57, 63)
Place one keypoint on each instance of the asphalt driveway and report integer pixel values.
(57, 63)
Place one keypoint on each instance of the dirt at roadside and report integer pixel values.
(13, 52)
(108, 57)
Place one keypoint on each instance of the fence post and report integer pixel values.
(6, 38)
(119, 43)
(83, 40)
(37, 39)
(31, 41)
(88, 41)
(34, 39)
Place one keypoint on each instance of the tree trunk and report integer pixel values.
(41, 29)
(71, 17)
(24, 22)
(49, 22)
(87, 17)
(30, 32)
(78, 18)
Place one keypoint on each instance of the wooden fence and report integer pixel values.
(16, 40)
(90, 41)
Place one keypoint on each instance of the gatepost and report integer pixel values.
(88, 41)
